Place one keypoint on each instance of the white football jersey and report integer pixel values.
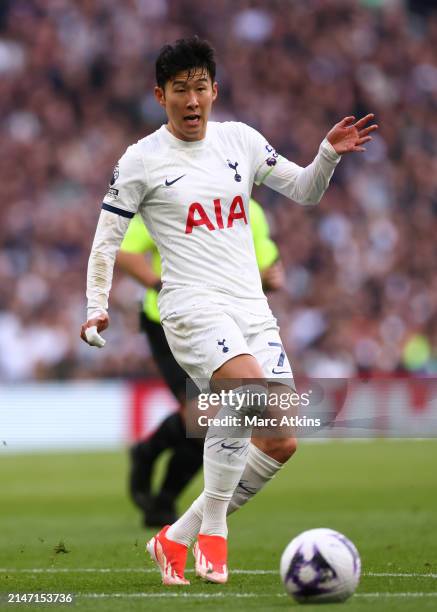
(194, 199)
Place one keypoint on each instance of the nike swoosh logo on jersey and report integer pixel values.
(168, 183)
(275, 371)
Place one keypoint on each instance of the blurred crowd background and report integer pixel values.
(76, 88)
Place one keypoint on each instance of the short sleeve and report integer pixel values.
(137, 238)
(263, 156)
(128, 184)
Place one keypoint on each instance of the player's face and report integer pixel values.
(187, 102)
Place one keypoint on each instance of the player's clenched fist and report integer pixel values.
(90, 331)
(349, 136)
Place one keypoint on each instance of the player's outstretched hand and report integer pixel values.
(349, 135)
(90, 331)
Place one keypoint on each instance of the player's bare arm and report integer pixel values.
(349, 135)
(273, 277)
(137, 266)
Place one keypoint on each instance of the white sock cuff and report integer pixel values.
(261, 463)
(197, 506)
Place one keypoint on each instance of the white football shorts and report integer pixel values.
(203, 339)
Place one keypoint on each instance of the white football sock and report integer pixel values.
(259, 470)
(222, 467)
(186, 528)
(214, 516)
(224, 460)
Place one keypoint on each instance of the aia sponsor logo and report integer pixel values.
(197, 215)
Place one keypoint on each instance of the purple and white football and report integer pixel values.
(320, 565)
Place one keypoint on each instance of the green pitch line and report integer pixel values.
(63, 514)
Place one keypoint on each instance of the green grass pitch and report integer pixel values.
(64, 518)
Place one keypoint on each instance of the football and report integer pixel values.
(320, 565)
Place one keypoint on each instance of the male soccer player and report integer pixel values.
(191, 181)
(187, 455)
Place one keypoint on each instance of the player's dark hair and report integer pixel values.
(185, 54)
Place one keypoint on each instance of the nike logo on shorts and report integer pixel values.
(168, 183)
(275, 371)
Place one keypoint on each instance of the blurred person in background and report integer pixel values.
(138, 256)
(67, 112)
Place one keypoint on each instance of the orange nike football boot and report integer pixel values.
(210, 554)
(169, 556)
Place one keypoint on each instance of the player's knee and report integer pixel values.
(280, 449)
(290, 447)
(250, 400)
(285, 449)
